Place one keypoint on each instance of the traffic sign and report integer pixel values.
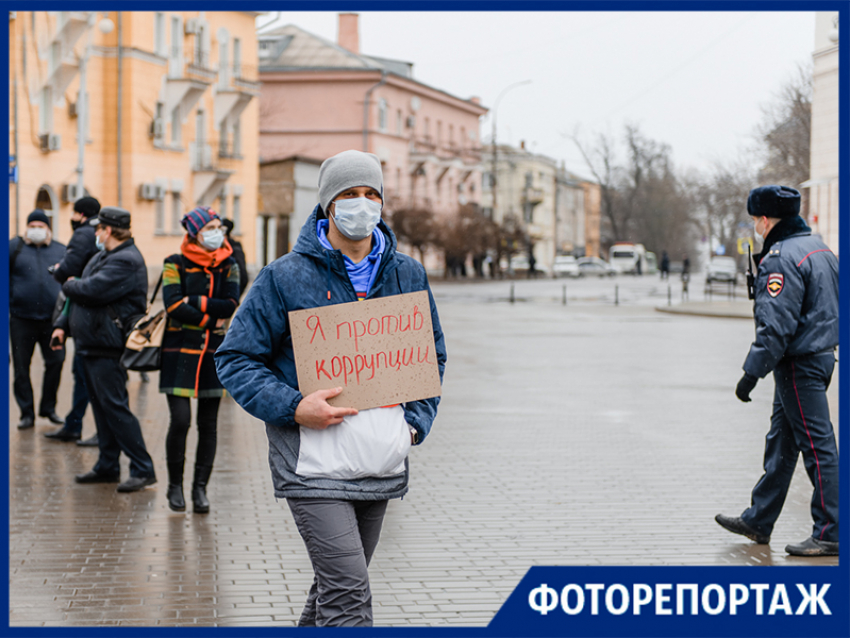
(742, 243)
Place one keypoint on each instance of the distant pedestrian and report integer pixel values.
(665, 265)
(105, 301)
(336, 467)
(81, 248)
(32, 296)
(200, 292)
(532, 265)
(238, 255)
(796, 312)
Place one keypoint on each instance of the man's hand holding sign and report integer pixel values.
(363, 354)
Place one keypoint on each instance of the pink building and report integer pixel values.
(319, 98)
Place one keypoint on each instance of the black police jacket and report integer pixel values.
(32, 291)
(114, 283)
(80, 249)
(796, 305)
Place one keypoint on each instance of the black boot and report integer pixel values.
(175, 487)
(199, 489)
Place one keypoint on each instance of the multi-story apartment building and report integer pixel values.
(570, 236)
(558, 211)
(320, 98)
(823, 181)
(165, 104)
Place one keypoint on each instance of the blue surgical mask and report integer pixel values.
(356, 218)
(100, 245)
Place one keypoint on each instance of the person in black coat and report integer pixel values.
(80, 249)
(200, 289)
(238, 255)
(105, 302)
(32, 296)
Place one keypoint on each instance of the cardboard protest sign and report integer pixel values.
(380, 351)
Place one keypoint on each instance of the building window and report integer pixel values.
(159, 34)
(237, 214)
(237, 138)
(223, 57)
(439, 133)
(45, 110)
(222, 203)
(175, 57)
(237, 58)
(399, 122)
(160, 215)
(223, 141)
(175, 126)
(176, 213)
(382, 114)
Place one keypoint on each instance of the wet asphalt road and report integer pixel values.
(585, 434)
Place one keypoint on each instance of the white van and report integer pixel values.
(628, 258)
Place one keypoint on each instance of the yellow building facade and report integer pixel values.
(168, 113)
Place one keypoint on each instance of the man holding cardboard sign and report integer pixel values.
(340, 323)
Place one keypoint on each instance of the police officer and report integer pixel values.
(796, 314)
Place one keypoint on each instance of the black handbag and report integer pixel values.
(143, 348)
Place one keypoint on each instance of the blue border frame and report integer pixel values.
(516, 618)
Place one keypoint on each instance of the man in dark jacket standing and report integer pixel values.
(104, 303)
(32, 296)
(336, 478)
(796, 313)
(238, 256)
(80, 249)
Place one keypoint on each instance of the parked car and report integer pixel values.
(565, 266)
(721, 269)
(519, 263)
(596, 266)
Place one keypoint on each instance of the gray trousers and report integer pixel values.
(341, 537)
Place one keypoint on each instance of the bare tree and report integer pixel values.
(784, 134)
(415, 227)
(601, 161)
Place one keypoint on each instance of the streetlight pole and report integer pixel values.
(493, 142)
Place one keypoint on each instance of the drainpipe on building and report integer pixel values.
(120, 104)
(366, 111)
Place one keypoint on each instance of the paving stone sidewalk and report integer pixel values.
(567, 435)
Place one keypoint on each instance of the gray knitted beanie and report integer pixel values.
(346, 170)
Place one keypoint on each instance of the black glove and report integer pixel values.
(745, 386)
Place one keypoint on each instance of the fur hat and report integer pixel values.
(347, 170)
(773, 201)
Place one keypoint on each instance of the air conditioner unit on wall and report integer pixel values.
(147, 191)
(411, 121)
(192, 27)
(49, 142)
(71, 192)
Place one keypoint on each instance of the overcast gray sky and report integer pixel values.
(693, 80)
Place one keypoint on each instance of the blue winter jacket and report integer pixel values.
(255, 363)
(796, 305)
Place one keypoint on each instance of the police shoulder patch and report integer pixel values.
(775, 282)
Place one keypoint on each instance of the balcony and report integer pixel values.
(237, 86)
(207, 178)
(64, 64)
(533, 195)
